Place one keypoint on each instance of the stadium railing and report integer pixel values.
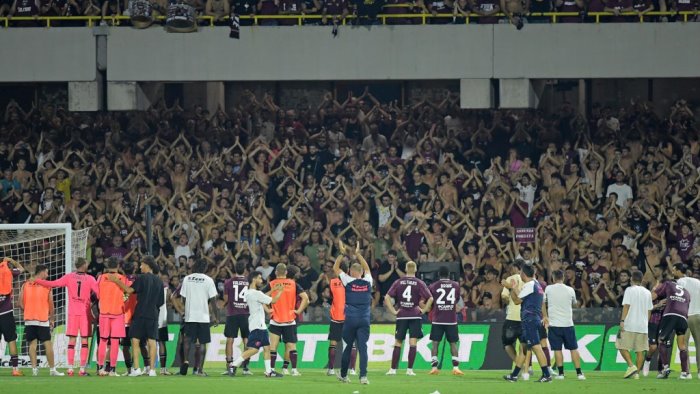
(422, 18)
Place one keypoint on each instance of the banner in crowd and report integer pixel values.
(525, 235)
(480, 347)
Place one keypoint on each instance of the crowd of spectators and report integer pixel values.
(606, 194)
(516, 12)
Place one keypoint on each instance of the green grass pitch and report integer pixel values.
(315, 381)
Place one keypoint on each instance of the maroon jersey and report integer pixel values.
(677, 299)
(685, 245)
(446, 295)
(595, 274)
(235, 289)
(407, 292)
(656, 315)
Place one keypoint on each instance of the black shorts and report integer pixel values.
(143, 329)
(163, 334)
(543, 332)
(512, 332)
(335, 331)
(236, 323)
(40, 333)
(671, 324)
(258, 339)
(653, 333)
(287, 333)
(8, 328)
(414, 327)
(126, 341)
(562, 337)
(199, 332)
(449, 331)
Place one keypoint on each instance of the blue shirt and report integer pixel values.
(531, 296)
(358, 296)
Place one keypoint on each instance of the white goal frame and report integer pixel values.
(67, 233)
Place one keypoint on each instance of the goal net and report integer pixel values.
(56, 246)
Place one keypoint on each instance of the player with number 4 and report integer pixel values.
(407, 293)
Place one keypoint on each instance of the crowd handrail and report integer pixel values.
(424, 18)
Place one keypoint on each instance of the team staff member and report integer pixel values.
(558, 317)
(358, 301)
(283, 317)
(129, 269)
(149, 289)
(199, 292)
(9, 269)
(37, 303)
(634, 324)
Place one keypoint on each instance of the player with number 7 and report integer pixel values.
(81, 286)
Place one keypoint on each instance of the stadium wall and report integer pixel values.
(408, 52)
(48, 55)
(480, 348)
(625, 50)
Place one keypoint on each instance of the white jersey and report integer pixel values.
(255, 300)
(560, 298)
(692, 285)
(163, 313)
(197, 289)
(639, 300)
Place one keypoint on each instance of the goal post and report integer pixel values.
(55, 245)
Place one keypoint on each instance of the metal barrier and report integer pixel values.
(422, 17)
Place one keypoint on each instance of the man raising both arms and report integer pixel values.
(9, 269)
(447, 303)
(558, 317)
(235, 289)
(283, 323)
(258, 338)
(80, 286)
(530, 300)
(335, 330)
(358, 301)
(408, 292)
